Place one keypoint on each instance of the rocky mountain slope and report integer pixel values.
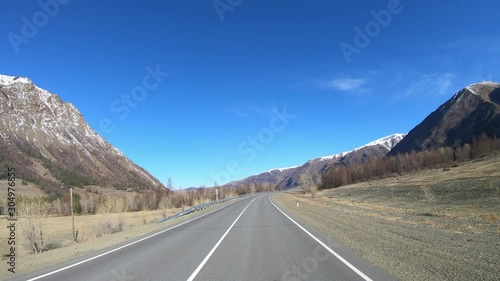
(273, 176)
(290, 177)
(469, 113)
(49, 142)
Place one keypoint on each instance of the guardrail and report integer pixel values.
(199, 208)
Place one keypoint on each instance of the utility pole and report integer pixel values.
(72, 213)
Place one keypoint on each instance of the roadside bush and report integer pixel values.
(31, 212)
(310, 184)
(108, 226)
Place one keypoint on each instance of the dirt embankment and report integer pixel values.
(433, 225)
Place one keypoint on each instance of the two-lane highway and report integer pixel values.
(249, 240)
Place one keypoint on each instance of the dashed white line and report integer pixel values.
(197, 270)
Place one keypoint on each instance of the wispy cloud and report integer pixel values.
(433, 83)
(343, 84)
(426, 84)
(443, 83)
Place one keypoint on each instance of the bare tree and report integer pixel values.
(32, 212)
(308, 184)
(170, 186)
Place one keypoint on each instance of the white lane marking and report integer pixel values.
(124, 246)
(197, 270)
(361, 274)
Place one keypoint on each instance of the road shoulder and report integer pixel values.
(403, 249)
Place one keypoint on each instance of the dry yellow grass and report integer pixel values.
(492, 218)
(58, 230)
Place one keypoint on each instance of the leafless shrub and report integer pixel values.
(57, 207)
(144, 219)
(428, 194)
(105, 227)
(309, 184)
(104, 204)
(165, 202)
(429, 198)
(111, 204)
(86, 235)
(31, 212)
(108, 226)
(132, 202)
(163, 213)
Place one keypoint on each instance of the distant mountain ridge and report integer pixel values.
(290, 177)
(49, 142)
(471, 112)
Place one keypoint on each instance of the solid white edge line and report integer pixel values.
(361, 274)
(124, 246)
(197, 270)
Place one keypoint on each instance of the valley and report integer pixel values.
(236, 140)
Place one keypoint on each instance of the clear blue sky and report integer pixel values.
(230, 67)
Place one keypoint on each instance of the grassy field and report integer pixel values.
(431, 225)
(58, 230)
(467, 195)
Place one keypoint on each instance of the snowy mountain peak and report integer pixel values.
(470, 112)
(290, 177)
(388, 142)
(482, 88)
(282, 169)
(37, 126)
(8, 80)
(334, 156)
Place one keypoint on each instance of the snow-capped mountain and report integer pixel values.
(469, 113)
(290, 177)
(385, 143)
(49, 142)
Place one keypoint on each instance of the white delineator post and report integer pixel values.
(297, 204)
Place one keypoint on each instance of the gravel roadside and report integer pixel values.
(410, 247)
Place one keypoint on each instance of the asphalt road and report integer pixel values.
(249, 240)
